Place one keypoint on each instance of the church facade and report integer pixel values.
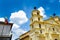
(42, 29)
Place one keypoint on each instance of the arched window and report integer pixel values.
(53, 29)
(37, 13)
(38, 19)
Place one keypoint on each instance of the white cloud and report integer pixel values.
(15, 26)
(17, 32)
(42, 12)
(2, 19)
(18, 18)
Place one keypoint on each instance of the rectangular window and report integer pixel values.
(32, 26)
(1, 29)
(39, 25)
(32, 19)
(6, 30)
(38, 19)
(40, 31)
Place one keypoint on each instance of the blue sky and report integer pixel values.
(9, 7)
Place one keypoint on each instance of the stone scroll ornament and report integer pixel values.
(6, 21)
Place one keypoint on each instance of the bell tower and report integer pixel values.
(35, 24)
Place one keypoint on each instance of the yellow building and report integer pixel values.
(42, 29)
